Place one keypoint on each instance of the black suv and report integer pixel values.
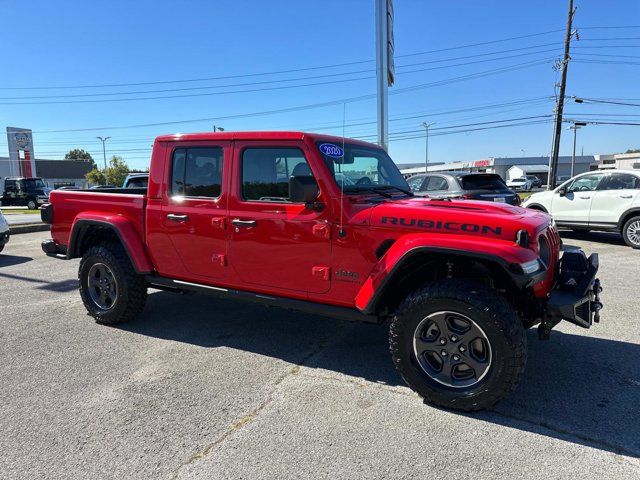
(24, 191)
(476, 186)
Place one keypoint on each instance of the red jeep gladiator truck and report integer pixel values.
(328, 225)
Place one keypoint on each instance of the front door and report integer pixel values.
(573, 207)
(274, 242)
(194, 211)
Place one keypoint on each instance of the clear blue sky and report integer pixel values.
(75, 43)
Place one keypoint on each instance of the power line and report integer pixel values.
(164, 97)
(84, 95)
(301, 107)
(227, 77)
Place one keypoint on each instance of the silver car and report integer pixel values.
(475, 186)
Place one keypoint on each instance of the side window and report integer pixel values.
(10, 185)
(437, 183)
(620, 181)
(415, 183)
(586, 183)
(197, 172)
(266, 172)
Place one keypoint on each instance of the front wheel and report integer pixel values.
(111, 290)
(458, 344)
(32, 204)
(631, 232)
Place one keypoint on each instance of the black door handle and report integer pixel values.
(236, 222)
(177, 218)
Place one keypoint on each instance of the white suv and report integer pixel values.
(608, 201)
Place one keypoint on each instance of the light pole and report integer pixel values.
(426, 146)
(217, 129)
(575, 127)
(523, 152)
(104, 152)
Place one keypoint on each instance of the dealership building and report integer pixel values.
(54, 173)
(510, 167)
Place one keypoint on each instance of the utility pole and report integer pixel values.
(384, 66)
(426, 146)
(553, 167)
(104, 152)
(575, 127)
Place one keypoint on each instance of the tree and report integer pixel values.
(117, 171)
(114, 174)
(633, 150)
(80, 154)
(96, 177)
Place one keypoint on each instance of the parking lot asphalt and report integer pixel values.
(199, 387)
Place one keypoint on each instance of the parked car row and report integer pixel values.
(604, 201)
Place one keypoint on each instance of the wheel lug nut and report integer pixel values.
(442, 341)
(454, 338)
(456, 357)
(443, 353)
(462, 349)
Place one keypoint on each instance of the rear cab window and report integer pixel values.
(197, 172)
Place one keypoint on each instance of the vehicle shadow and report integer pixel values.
(62, 286)
(576, 388)
(9, 260)
(611, 238)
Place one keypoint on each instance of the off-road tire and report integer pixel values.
(487, 309)
(131, 287)
(628, 225)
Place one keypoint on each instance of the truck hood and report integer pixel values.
(459, 217)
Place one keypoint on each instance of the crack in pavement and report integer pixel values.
(238, 424)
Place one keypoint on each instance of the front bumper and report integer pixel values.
(576, 297)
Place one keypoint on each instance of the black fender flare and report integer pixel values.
(513, 271)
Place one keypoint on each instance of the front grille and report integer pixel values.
(583, 311)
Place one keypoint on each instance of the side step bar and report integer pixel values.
(350, 314)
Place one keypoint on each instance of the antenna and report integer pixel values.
(341, 232)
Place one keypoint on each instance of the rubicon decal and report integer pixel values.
(440, 225)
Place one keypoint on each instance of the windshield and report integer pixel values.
(33, 183)
(483, 182)
(361, 167)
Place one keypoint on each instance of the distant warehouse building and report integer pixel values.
(55, 173)
(513, 167)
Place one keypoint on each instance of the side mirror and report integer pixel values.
(303, 189)
(562, 191)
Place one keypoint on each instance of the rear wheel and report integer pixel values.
(631, 232)
(111, 290)
(32, 204)
(458, 344)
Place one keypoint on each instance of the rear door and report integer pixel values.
(274, 242)
(194, 211)
(615, 194)
(573, 207)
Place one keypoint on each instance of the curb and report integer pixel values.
(28, 228)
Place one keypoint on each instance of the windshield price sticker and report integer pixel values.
(331, 150)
